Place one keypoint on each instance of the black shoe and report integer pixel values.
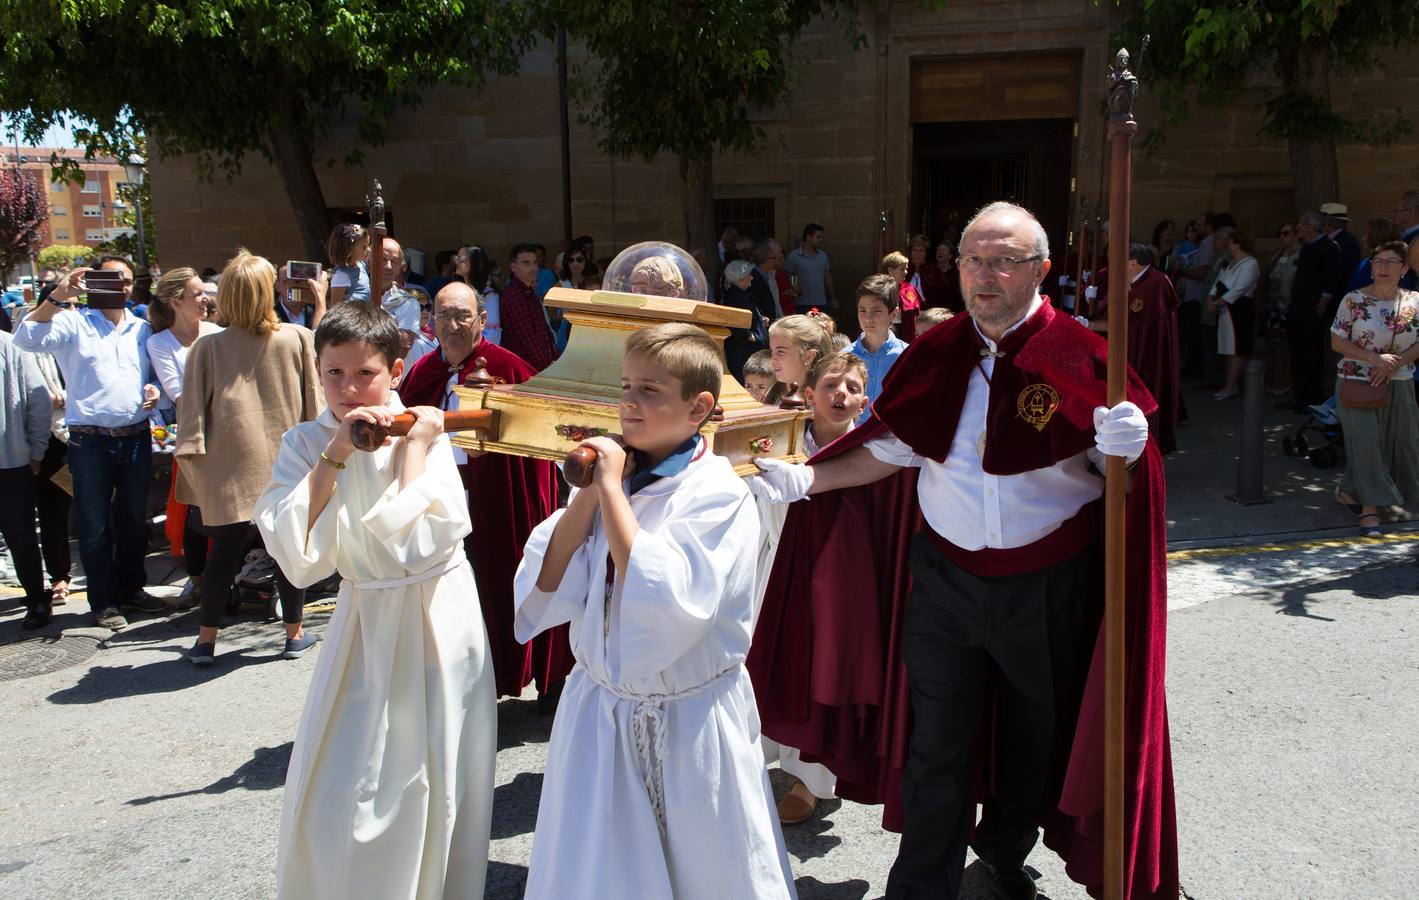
(202, 655)
(143, 602)
(1012, 883)
(37, 617)
(547, 700)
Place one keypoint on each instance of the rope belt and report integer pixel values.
(448, 565)
(648, 730)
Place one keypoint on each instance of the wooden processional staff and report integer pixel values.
(374, 201)
(1122, 89)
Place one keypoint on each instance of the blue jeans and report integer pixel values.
(111, 476)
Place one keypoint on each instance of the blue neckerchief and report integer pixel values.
(672, 465)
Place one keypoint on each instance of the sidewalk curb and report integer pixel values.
(1282, 542)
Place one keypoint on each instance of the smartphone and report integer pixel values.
(105, 289)
(300, 270)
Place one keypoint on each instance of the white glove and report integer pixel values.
(1121, 431)
(780, 482)
(1085, 322)
(1092, 291)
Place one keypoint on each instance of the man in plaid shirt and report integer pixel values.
(525, 328)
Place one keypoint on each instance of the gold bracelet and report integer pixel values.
(330, 462)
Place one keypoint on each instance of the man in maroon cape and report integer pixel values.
(507, 495)
(998, 418)
(1152, 340)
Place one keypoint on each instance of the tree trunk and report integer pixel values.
(697, 192)
(295, 160)
(1315, 169)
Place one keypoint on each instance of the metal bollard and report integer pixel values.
(1253, 438)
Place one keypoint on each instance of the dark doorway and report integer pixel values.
(958, 167)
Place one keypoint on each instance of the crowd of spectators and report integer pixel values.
(91, 393)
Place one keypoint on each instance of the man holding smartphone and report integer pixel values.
(102, 351)
(300, 301)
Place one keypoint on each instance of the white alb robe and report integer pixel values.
(655, 786)
(390, 787)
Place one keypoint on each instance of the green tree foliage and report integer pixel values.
(24, 209)
(220, 79)
(59, 256)
(685, 78)
(1205, 52)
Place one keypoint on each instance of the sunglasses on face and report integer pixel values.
(577, 259)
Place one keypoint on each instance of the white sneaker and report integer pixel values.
(191, 595)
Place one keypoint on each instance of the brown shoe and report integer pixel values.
(797, 806)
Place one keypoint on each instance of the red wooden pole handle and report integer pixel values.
(580, 467)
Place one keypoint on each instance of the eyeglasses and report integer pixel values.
(1384, 262)
(1000, 265)
(576, 259)
(460, 318)
(459, 259)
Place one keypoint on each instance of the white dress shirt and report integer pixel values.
(966, 505)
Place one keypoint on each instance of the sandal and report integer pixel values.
(797, 806)
(59, 593)
(1355, 508)
(1370, 530)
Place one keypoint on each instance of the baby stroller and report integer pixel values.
(1319, 438)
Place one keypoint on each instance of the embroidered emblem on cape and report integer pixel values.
(1037, 404)
(579, 432)
(1136, 305)
(761, 445)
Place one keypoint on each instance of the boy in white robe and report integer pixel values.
(389, 790)
(655, 786)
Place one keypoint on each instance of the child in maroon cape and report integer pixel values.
(508, 496)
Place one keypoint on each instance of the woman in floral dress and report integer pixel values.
(1376, 332)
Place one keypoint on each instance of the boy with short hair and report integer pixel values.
(390, 787)
(836, 395)
(930, 318)
(654, 783)
(759, 374)
(878, 347)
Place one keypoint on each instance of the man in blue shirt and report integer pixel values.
(103, 356)
(878, 346)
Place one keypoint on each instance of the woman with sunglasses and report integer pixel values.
(577, 265)
(1376, 332)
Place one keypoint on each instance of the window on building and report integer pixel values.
(93, 235)
(91, 210)
(59, 210)
(58, 187)
(753, 216)
(91, 185)
(61, 234)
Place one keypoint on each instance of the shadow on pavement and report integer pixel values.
(519, 723)
(505, 881)
(265, 771)
(107, 682)
(515, 805)
(1377, 581)
(810, 888)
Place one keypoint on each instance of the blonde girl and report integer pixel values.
(795, 344)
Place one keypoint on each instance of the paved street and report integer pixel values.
(1293, 693)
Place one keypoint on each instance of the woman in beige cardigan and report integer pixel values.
(242, 389)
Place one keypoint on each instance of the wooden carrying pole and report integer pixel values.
(378, 233)
(1122, 88)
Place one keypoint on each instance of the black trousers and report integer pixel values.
(17, 528)
(53, 503)
(194, 545)
(1190, 326)
(1305, 336)
(228, 555)
(1029, 638)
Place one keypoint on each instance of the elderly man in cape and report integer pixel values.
(1000, 412)
(507, 495)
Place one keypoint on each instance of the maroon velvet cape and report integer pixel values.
(1153, 349)
(826, 660)
(508, 496)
